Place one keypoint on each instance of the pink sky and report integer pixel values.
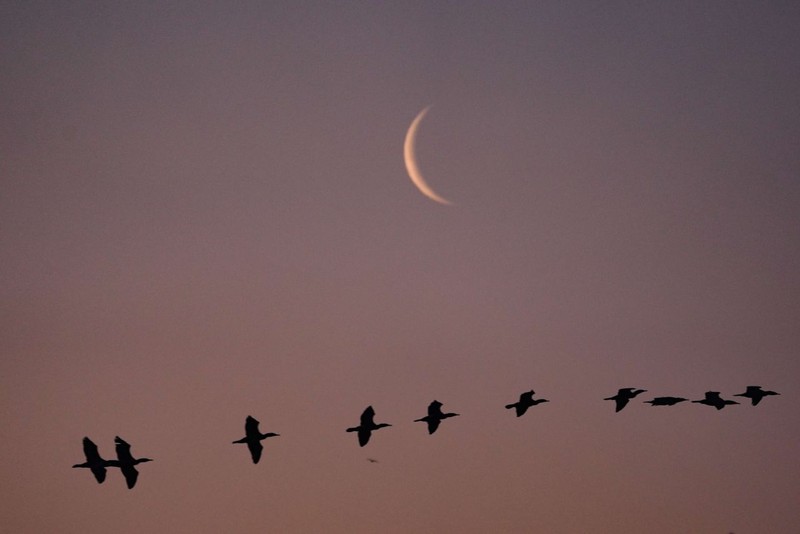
(205, 215)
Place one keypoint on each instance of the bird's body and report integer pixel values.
(665, 401)
(94, 462)
(126, 462)
(712, 398)
(435, 416)
(755, 394)
(525, 401)
(253, 437)
(367, 426)
(623, 396)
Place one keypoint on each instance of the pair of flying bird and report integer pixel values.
(125, 461)
(712, 398)
(367, 423)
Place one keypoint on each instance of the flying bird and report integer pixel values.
(712, 398)
(665, 401)
(94, 462)
(253, 437)
(525, 401)
(366, 426)
(755, 394)
(623, 396)
(126, 462)
(434, 416)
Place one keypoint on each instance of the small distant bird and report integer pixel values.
(755, 394)
(712, 398)
(94, 462)
(372, 460)
(434, 416)
(253, 437)
(525, 401)
(623, 396)
(367, 426)
(126, 462)
(665, 401)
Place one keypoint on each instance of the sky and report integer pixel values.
(205, 214)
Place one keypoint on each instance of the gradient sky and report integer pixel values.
(205, 215)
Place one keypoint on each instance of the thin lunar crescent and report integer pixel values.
(411, 161)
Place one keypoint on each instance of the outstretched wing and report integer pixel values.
(363, 436)
(368, 417)
(251, 426)
(435, 409)
(90, 450)
(123, 450)
(131, 475)
(255, 450)
(433, 424)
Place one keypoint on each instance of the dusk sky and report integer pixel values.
(205, 214)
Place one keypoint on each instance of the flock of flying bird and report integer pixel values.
(253, 436)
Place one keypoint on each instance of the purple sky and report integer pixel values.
(205, 215)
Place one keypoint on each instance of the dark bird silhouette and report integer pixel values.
(367, 426)
(712, 398)
(94, 462)
(623, 396)
(253, 437)
(372, 460)
(665, 401)
(434, 416)
(755, 394)
(126, 462)
(525, 401)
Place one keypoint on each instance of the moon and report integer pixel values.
(411, 161)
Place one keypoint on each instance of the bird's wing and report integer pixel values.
(433, 424)
(251, 425)
(367, 418)
(90, 450)
(363, 436)
(99, 472)
(255, 450)
(131, 474)
(435, 409)
(123, 449)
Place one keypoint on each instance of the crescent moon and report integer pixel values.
(411, 161)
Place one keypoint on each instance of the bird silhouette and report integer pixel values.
(366, 426)
(253, 437)
(94, 462)
(755, 394)
(712, 398)
(525, 401)
(623, 396)
(126, 462)
(434, 416)
(665, 401)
